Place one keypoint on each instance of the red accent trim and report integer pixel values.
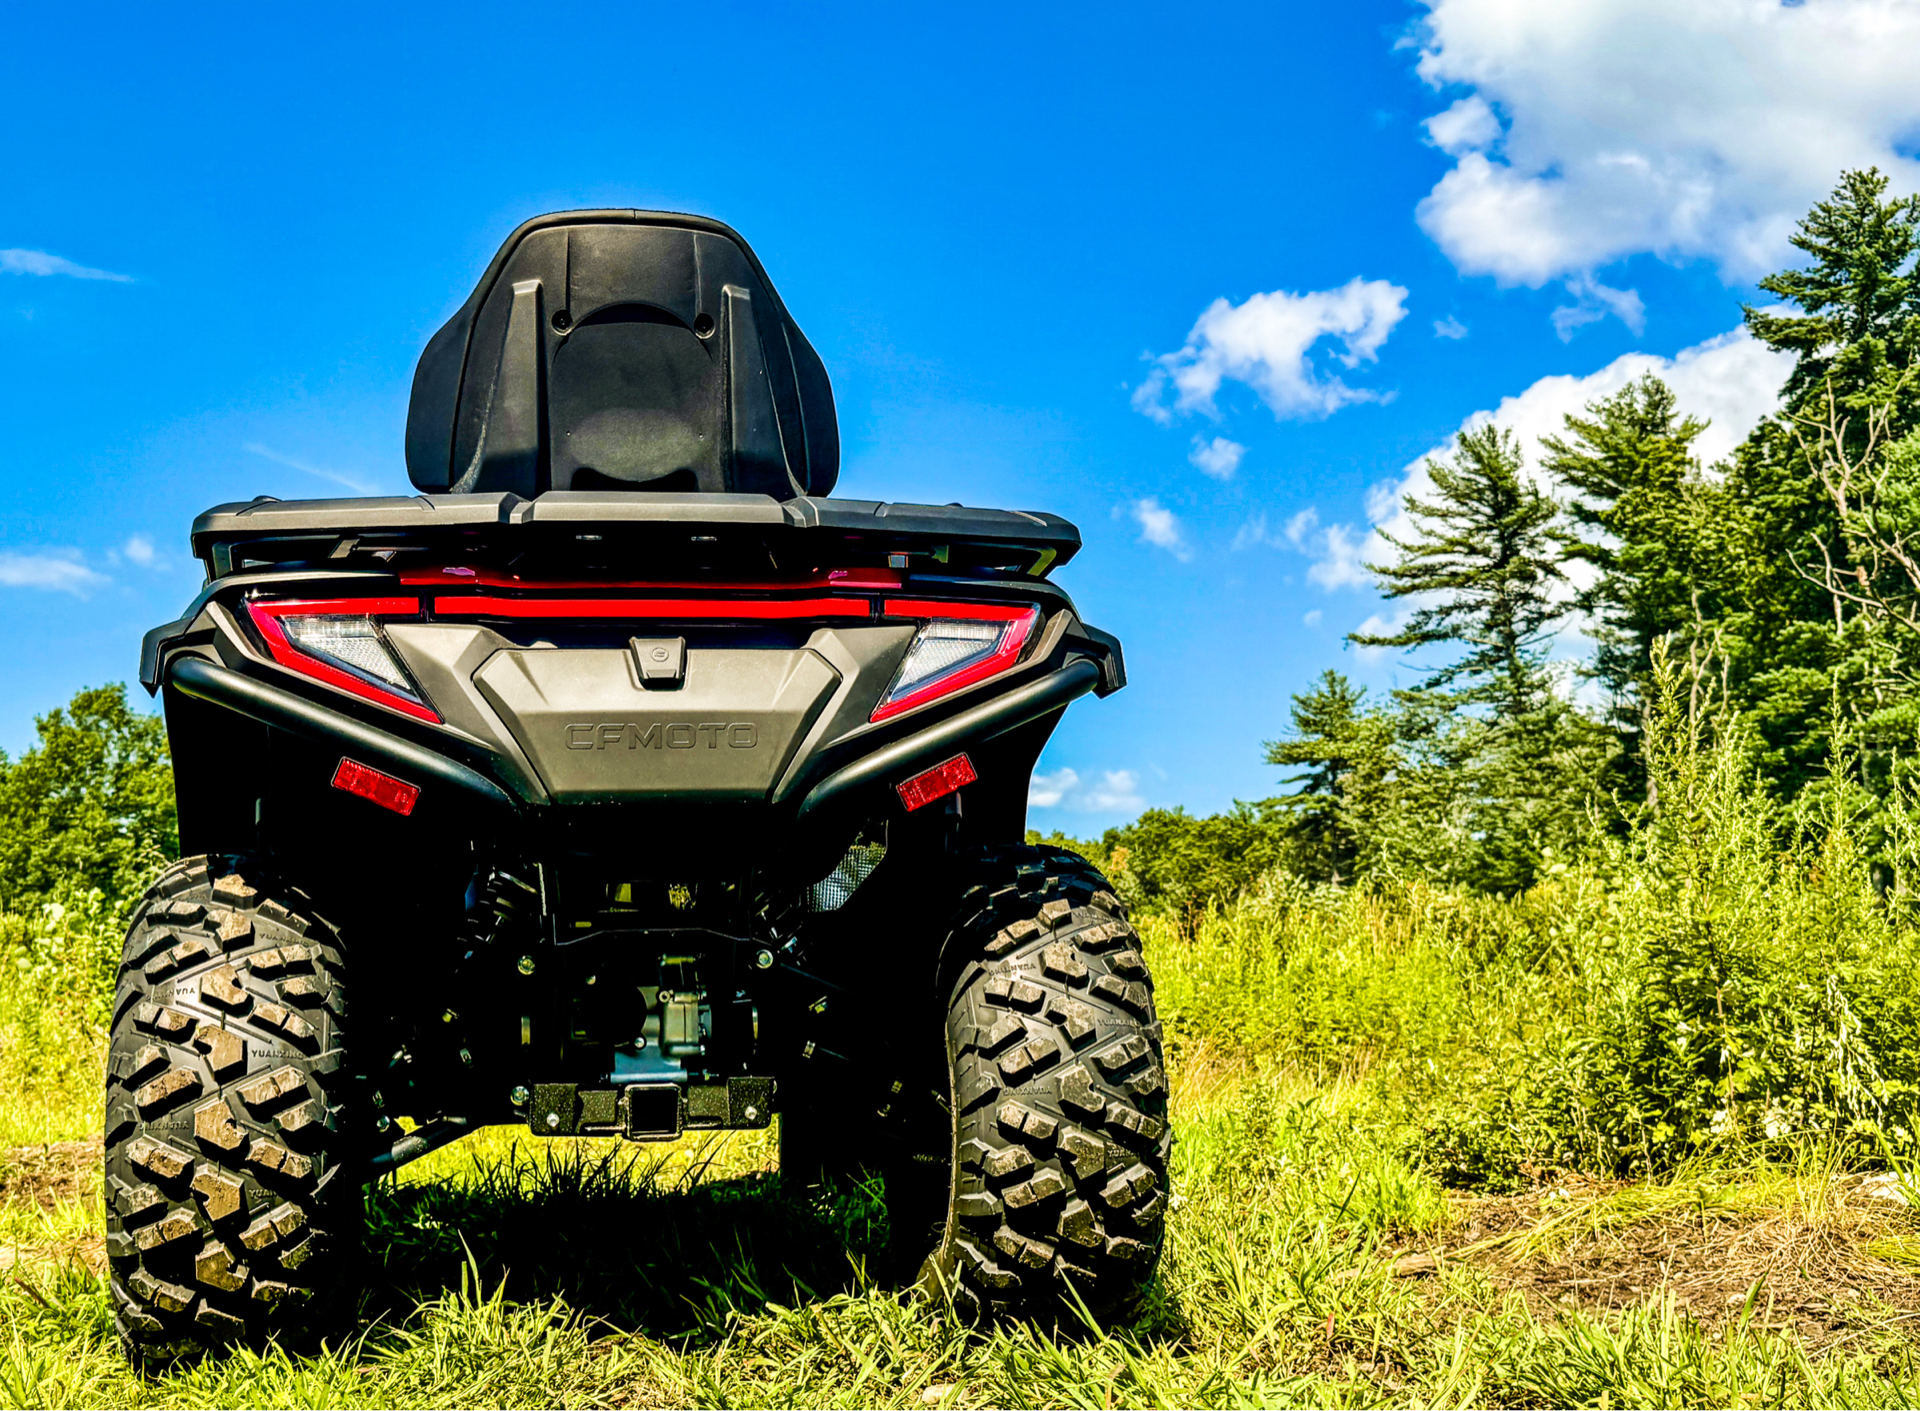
(375, 787)
(337, 607)
(669, 609)
(266, 617)
(971, 612)
(462, 576)
(1020, 623)
(936, 783)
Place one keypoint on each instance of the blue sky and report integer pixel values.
(1208, 280)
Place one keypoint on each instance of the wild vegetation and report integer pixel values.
(1525, 1053)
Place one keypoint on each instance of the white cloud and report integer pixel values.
(1468, 126)
(1449, 327)
(1301, 525)
(1312, 619)
(1730, 382)
(1595, 302)
(1342, 561)
(1380, 624)
(1268, 343)
(1161, 527)
(1115, 791)
(41, 263)
(1698, 130)
(55, 573)
(1219, 457)
(1252, 533)
(354, 483)
(140, 549)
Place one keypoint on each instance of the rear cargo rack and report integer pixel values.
(400, 530)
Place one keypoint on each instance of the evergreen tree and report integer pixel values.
(1342, 747)
(1796, 650)
(1482, 566)
(1662, 540)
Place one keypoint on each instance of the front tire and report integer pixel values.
(231, 1205)
(1058, 1171)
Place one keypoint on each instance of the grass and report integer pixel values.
(504, 1271)
(1603, 1143)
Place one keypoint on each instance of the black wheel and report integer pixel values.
(1058, 1098)
(231, 1202)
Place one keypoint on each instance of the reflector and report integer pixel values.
(375, 787)
(937, 782)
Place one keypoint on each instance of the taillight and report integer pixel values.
(340, 642)
(957, 645)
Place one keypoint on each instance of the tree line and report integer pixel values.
(1785, 580)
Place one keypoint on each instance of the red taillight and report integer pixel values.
(375, 787)
(936, 783)
(339, 641)
(957, 645)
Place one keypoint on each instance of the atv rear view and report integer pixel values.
(632, 786)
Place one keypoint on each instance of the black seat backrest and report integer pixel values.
(624, 350)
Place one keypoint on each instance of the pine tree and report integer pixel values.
(1796, 648)
(1335, 738)
(1858, 302)
(1661, 539)
(1482, 567)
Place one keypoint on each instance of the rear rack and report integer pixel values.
(404, 530)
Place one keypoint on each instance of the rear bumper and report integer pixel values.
(852, 787)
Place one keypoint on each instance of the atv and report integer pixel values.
(632, 787)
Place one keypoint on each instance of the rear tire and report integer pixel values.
(1058, 1169)
(231, 1203)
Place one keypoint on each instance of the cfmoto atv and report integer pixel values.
(629, 785)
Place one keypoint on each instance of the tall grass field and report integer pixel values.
(1640, 1135)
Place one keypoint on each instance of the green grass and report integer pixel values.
(1412, 1126)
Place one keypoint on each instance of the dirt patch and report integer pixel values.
(1833, 1263)
(49, 1174)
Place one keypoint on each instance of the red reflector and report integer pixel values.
(936, 783)
(375, 787)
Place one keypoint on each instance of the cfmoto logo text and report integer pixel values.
(742, 736)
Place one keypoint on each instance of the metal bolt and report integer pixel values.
(592, 978)
(752, 1114)
(526, 965)
(382, 1122)
(553, 1120)
(764, 959)
(519, 1096)
(466, 1057)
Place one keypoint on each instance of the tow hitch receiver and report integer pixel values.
(649, 1112)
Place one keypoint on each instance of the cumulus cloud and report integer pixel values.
(1342, 561)
(1339, 550)
(1731, 382)
(1113, 791)
(1268, 343)
(1160, 527)
(54, 573)
(41, 263)
(140, 549)
(1219, 457)
(1599, 129)
(1449, 327)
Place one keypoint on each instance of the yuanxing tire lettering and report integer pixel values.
(1059, 1094)
(231, 1205)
